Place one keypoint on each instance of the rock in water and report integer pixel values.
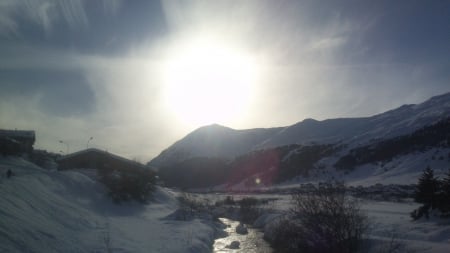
(241, 229)
(234, 245)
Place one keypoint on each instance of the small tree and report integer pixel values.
(444, 195)
(426, 193)
(427, 189)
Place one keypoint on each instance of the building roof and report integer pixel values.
(94, 150)
(17, 133)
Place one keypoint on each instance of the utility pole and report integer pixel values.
(87, 143)
(67, 146)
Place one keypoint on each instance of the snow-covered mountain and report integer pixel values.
(400, 121)
(213, 141)
(227, 143)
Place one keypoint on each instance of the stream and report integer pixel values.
(249, 243)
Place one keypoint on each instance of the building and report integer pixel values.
(13, 142)
(97, 159)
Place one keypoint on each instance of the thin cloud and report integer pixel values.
(328, 43)
(317, 59)
(74, 13)
(47, 13)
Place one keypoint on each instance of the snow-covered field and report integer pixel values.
(52, 211)
(389, 222)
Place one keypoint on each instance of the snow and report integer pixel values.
(391, 219)
(53, 211)
(402, 170)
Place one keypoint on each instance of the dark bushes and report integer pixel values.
(197, 172)
(190, 203)
(128, 184)
(10, 147)
(433, 194)
(248, 209)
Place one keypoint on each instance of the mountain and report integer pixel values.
(226, 143)
(400, 121)
(213, 141)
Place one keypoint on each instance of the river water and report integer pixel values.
(252, 242)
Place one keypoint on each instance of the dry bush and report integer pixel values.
(323, 220)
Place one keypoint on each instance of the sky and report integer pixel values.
(136, 76)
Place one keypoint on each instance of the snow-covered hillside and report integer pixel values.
(218, 141)
(358, 131)
(52, 211)
(402, 170)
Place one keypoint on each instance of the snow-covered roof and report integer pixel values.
(17, 133)
(90, 150)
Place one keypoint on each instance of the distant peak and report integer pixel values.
(216, 125)
(211, 127)
(310, 120)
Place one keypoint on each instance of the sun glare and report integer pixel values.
(207, 82)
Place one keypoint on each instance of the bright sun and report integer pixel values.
(207, 82)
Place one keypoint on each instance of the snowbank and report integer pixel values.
(51, 211)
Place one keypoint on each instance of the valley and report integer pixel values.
(388, 148)
(169, 126)
(205, 189)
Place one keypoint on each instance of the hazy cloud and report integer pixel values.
(43, 13)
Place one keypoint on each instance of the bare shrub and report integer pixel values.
(285, 236)
(322, 220)
(190, 203)
(394, 246)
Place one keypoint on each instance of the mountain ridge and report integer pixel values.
(213, 141)
(227, 143)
